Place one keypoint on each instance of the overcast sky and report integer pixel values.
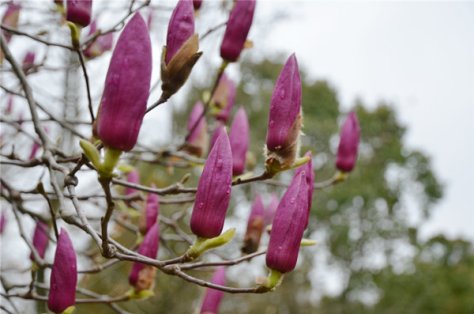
(419, 56)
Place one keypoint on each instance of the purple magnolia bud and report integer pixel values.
(100, 45)
(348, 144)
(213, 192)
(271, 209)
(28, 61)
(150, 214)
(255, 226)
(197, 4)
(198, 139)
(180, 28)
(132, 177)
(224, 98)
(217, 132)
(239, 141)
(142, 275)
(127, 87)
(284, 122)
(3, 221)
(308, 169)
(79, 11)
(9, 108)
(213, 297)
(40, 239)
(288, 226)
(10, 18)
(62, 292)
(34, 150)
(238, 27)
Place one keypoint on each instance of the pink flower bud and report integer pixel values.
(308, 169)
(34, 150)
(288, 226)
(213, 298)
(348, 144)
(180, 28)
(62, 292)
(9, 108)
(3, 221)
(198, 139)
(132, 177)
(150, 215)
(271, 209)
(100, 45)
(239, 141)
(197, 4)
(224, 98)
(217, 132)
(127, 87)
(255, 226)
(238, 27)
(79, 12)
(284, 122)
(40, 239)
(213, 192)
(28, 61)
(10, 18)
(142, 276)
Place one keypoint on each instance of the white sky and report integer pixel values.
(419, 56)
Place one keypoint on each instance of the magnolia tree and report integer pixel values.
(107, 135)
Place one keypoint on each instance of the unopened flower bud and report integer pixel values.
(28, 61)
(238, 27)
(127, 87)
(100, 45)
(197, 4)
(213, 298)
(224, 98)
(348, 144)
(284, 123)
(217, 132)
(3, 221)
(288, 226)
(142, 276)
(62, 293)
(132, 177)
(239, 141)
(255, 226)
(40, 239)
(10, 18)
(198, 139)
(181, 50)
(79, 12)
(213, 192)
(150, 214)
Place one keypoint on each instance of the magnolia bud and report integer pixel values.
(213, 192)
(284, 121)
(100, 45)
(3, 221)
(255, 226)
(40, 239)
(181, 50)
(217, 132)
(150, 215)
(132, 177)
(127, 87)
(348, 144)
(238, 27)
(10, 18)
(142, 276)
(239, 141)
(224, 98)
(198, 139)
(62, 292)
(288, 226)
(213, 298)
(79, 12)
(28, 61)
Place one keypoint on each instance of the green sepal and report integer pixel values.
(69, 310)
(202, 244)
(274, 167)
(272, 281)
(91, 152)
(340, 176)
(111, 159)
(75, 34)
(139, 295)
(307, 242)
(125, 168)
